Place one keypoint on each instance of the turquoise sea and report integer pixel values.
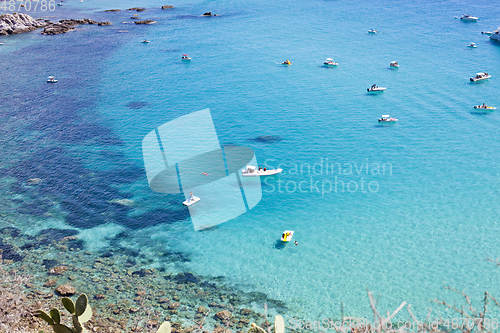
(408, 208)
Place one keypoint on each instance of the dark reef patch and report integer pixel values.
(137, 105)
(49, 263)
(10, 231)
(9, 253)
(267, 139)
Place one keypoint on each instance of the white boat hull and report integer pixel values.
(376, 90)
(192, 202)
(484, 109)
(475, 79)
(495, 36)
(260, 173)
(286, 236)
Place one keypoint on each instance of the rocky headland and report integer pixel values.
(11, 24)
(17, 23)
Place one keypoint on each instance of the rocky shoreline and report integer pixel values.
(122, 290)
(11, 24)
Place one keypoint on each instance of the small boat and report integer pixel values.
(372, 31)
(51, 79)
(59, 4)
(286, 62)
(480, 76)
(145, 41)
(485, 108)
(286, 236)
(1, 43)
(473, 45)
(495, 35)
(375, 88)
(251, 171)
(191, 201)
(387, 119)
(469, 18)
(330, 63)
(185, 57)
(394, 64)
(486, 33)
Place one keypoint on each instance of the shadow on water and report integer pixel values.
(279, 245)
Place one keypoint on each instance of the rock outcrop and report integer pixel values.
(112, 10)
(64, 26)
(17, 23)
(145, 22)
(137, 9)
(209, 14)
(166, 7)
(65, 290)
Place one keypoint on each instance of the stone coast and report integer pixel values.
(123, 291)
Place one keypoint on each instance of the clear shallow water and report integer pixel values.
(431, 221)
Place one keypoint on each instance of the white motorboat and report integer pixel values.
(480, 76)
(286, 236)
(191, 201)
(145, 41)
(251, 171)
(330, 63)
(495, 35)
(387, 119)
(486, 33)
(51, 79)
(372, 31)
(394, 64)
(473, 45)
(1, 43)
(469, 18)
(484, 108)
(374, 88)
(185, 57)
(286, 62)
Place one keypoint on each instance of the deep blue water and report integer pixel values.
(430, 217)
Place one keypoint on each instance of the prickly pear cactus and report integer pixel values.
(81, 313)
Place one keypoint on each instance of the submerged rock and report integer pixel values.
(17, 23)
(33, 181)
(209, 14)
(137, 105)
(267, 139)
(138, 9)
(145, 22)
(58, 270)
(223, 315)
(123, 202)
(166, 7)
(66, 290)
(112, 10)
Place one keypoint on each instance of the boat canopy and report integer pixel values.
(250, 167)
(482, 73)
(386, 116)
(329, 59)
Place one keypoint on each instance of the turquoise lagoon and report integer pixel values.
(408, 208)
